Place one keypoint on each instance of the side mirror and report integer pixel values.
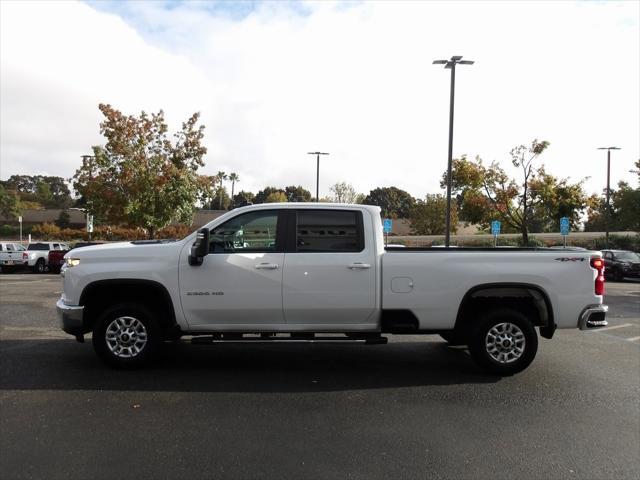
(200, 247)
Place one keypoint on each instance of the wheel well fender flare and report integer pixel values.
(130, 285)
(538, 295)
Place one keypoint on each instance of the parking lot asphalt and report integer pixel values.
(413, 408)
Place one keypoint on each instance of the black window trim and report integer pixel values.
(292, 230)
(281, 231)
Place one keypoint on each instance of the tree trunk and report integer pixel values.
(233, 186)
(152, 233)
(525, 235)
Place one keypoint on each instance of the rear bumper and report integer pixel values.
(70, 317)
(594, 316)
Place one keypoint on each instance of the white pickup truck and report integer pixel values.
(12, 255)
(320, 272)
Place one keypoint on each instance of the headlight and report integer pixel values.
(72, 262)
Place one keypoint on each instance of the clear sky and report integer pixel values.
(274, 80)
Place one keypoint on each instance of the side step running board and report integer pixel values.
(367, 340)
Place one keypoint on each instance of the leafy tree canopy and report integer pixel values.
(40, 190)
(394, 202)
(297, 194)
(428, 216)
(533, 202)
(141, 176)
(8, 203)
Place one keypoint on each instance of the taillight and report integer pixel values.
(598, 264)
(25, 256)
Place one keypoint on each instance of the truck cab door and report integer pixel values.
(238, 286)
(330, 275)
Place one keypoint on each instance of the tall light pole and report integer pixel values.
(451, 64)
(317, 154)
(608, 219)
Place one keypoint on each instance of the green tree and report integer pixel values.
(221, 193)
(9, 203)
(261, 196)
(142, 177)
(235, 178)
(221, 199)
(534, 202)
(625, 210)
(297, 194)
(276, 197)
(428, 216)
(344, 192)
(64, 219)
(243, 198)
(395, 203)
(46, 191)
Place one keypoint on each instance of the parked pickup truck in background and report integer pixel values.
(38, 254)
(12, 255)
(310, 272)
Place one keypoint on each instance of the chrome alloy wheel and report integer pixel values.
(505, 342)
(126, 337)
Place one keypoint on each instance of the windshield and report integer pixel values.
(628, 256)
(38, 246)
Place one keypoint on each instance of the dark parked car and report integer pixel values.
(621, 263)
(56, 257)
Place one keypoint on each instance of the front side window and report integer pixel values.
(329, 231)
(246, 233)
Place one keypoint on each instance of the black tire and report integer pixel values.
(480, 348)
(108, 351)
(39, 267)
(454, 338)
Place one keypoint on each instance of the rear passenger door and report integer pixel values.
(330, 270)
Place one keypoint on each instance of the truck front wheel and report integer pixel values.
(126, 336)
(504, 342)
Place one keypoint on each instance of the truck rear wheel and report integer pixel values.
(504, 342)
(126, 336)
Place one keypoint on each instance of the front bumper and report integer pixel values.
(593, 317)
(70, 317)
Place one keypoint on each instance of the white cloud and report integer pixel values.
(356, 82)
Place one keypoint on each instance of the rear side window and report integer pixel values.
(38, 246)
(329, 231)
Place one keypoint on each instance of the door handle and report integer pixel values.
(267, 266)
(359, 266)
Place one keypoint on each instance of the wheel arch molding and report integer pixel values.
(481, 298)
(101, 294)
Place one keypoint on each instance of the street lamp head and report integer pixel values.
(453, 61)
(609, 148)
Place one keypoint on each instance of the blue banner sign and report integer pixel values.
(386, 225)
(565, 226)
(495, 227)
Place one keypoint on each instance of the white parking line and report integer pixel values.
(633, 339)
(613, 327)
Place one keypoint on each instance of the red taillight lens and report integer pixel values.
(25, 256)
(598, 264)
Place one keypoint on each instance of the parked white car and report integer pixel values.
(300, 271)
(38, 254)
(12, 255)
